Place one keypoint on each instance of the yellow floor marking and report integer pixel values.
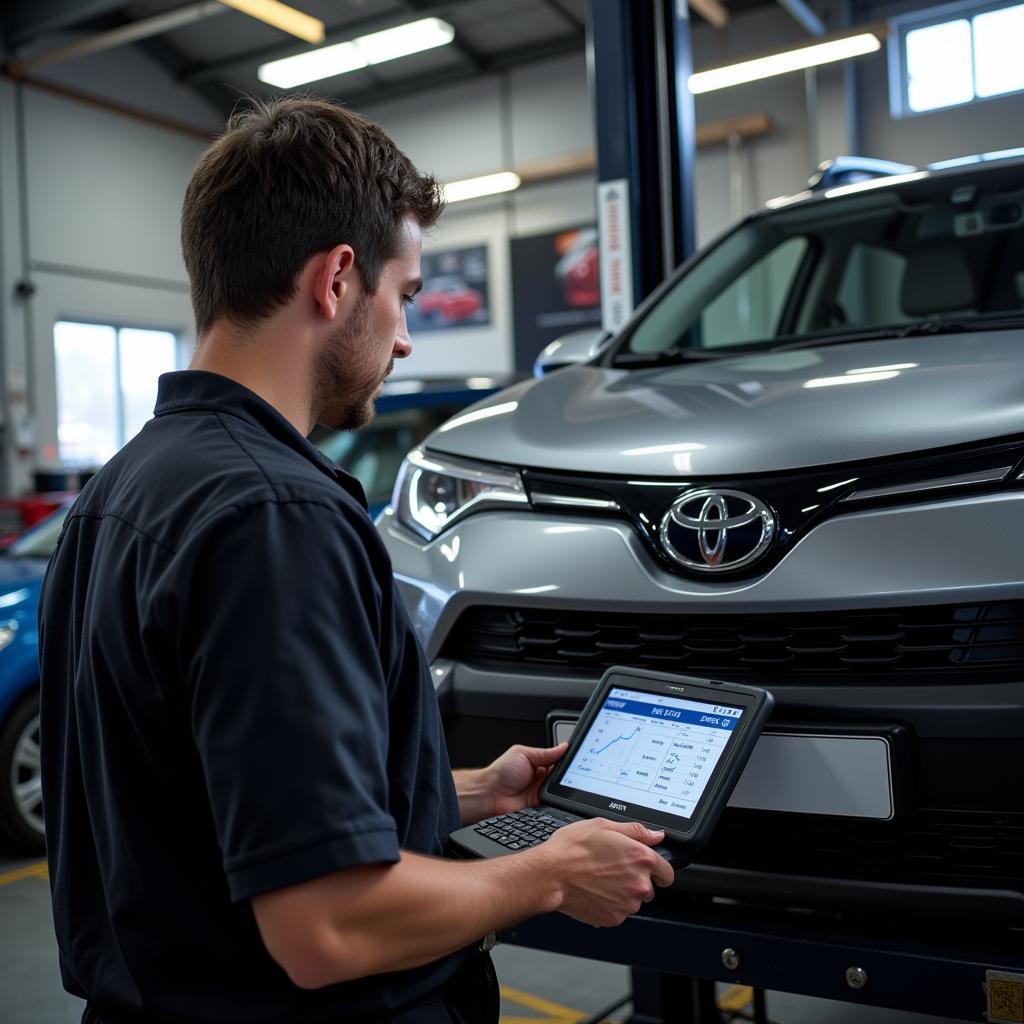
(735, 997)
(552, 1010)
(32, 871)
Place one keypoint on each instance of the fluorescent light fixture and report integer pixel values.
(281, 16)
(782, 63)
(361, 52)
(487, 185)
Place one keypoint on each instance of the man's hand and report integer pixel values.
(608, 869)
(507, 784)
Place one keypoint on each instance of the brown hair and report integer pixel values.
(291, 177)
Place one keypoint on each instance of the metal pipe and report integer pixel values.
(130, 33)
(804, 15)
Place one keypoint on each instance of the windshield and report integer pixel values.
(40, 541)
(869, 264)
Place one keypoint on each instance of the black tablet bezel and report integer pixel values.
(756, 704)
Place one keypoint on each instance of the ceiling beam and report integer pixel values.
(714, 12)
(417, 10)
(497, 62)
(566, 16)
(131, 32)
(804, 15)
(364, 26)
(29, 19)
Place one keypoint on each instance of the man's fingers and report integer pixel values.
(663, 873)
(633, 829)
(544, 756)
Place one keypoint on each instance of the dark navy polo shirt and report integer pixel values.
(233, 701)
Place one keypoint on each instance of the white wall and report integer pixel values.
(91, 202)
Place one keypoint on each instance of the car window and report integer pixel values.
(869, 288)
(750, 307)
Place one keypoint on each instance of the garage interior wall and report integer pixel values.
(97, 232)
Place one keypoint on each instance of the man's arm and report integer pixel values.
(379, 918)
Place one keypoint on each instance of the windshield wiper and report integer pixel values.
(923, 328)
(956, 326)
(666, 357)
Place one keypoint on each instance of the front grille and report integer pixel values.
(927, 847)
(948, 638)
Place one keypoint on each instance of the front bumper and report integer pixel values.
(957, 845)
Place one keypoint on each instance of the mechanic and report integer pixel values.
(246, 788)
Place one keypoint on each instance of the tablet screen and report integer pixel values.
(652, 750)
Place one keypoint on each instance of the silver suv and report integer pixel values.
(801, 465)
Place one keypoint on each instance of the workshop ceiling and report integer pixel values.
(218, 54)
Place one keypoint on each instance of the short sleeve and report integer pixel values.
(282, 652)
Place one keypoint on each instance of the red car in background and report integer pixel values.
(449, 300)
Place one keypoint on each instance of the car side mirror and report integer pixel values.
(569, 349)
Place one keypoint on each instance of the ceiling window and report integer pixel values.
(106, 386)
(954, 55)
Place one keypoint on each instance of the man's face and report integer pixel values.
(355, 359)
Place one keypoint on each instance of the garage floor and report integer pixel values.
(536, 987)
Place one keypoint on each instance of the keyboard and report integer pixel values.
(521, 829)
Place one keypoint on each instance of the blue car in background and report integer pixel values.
(407, 410)
(21, 573)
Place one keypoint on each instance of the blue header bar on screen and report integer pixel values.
(666, 713)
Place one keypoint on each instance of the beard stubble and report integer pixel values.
(347, 375)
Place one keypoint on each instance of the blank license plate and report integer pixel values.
(850, 776)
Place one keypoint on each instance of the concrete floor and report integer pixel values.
(536, 986)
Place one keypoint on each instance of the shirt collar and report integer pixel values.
(183, 390)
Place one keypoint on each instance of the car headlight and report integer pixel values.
(432, 492)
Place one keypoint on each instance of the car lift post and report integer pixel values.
(638, 57)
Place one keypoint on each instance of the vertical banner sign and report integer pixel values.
(616, 253)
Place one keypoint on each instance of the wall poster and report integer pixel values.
(455, 292)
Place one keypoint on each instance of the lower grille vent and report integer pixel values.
(931, 639)
(927, 847)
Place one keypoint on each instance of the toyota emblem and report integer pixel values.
(716, 531)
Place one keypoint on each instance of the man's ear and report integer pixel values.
(335, 280)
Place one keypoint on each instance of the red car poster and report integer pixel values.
(454, 291)
(555, 288)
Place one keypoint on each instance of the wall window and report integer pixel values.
(953, 55)
(106, 386)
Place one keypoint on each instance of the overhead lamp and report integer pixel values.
(822, 51)
(361, 52)
(279, 15)
(486, 185)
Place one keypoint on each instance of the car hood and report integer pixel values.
(751, 414)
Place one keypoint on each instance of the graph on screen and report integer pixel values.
(635, 753)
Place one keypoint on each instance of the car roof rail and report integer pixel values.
(845, 170)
